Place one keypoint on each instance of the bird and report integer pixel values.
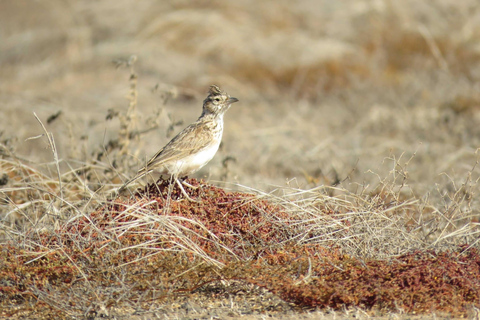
(194, 146)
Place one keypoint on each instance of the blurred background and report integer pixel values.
(352, 91)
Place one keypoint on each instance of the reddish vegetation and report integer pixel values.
(240, 222)
(417, 282)
(249, 236)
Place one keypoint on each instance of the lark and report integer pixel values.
(193, 147)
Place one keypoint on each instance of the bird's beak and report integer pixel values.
(232, 100)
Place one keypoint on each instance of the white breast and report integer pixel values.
(194, 162)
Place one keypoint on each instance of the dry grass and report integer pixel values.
(326, 247)
(367, 110)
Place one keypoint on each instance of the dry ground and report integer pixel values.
(371, 104)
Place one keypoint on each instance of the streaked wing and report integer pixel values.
(192, 139)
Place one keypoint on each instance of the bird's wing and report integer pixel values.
(188, 141)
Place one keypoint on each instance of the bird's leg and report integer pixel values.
(183, 191)
(185, 183)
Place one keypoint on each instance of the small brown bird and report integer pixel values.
(193, 147)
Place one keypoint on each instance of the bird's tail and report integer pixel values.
(142, 173)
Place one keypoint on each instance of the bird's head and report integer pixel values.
(217, 101)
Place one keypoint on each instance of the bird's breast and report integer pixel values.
(194, 162)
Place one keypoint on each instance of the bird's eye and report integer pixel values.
(217, 99)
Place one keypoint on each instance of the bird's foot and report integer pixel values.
(184, 192)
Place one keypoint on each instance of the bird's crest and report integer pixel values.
(214, 90)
